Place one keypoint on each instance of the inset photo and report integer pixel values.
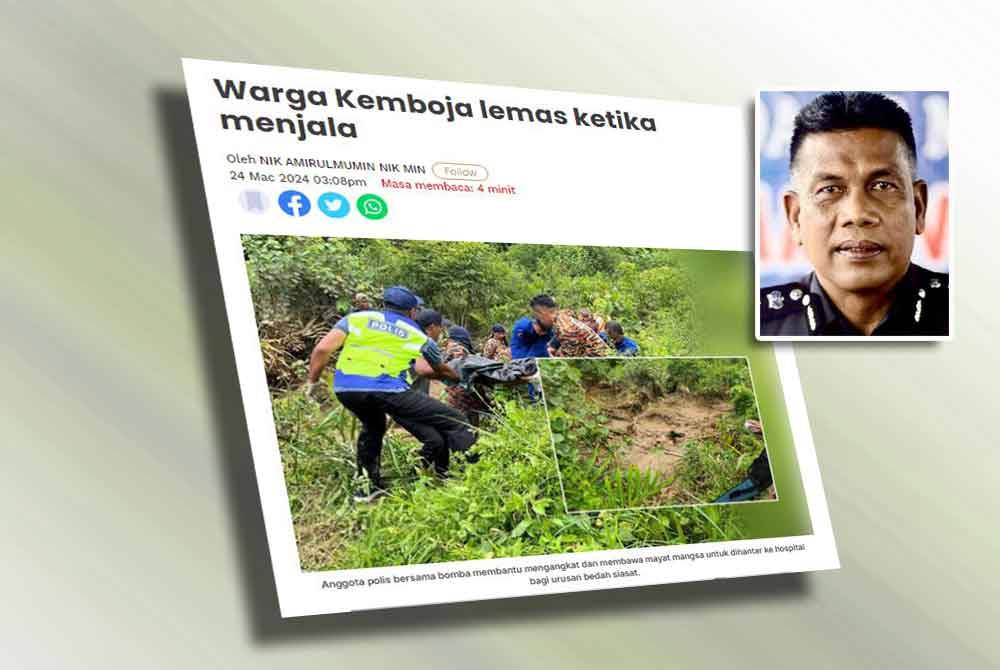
(853, 237)
(631, 433)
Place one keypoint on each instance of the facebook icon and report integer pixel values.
(294, 203)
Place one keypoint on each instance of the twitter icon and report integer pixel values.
(333, 205)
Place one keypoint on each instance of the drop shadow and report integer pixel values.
(190, 214)
(541, 609)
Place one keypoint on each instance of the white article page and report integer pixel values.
(498, 342)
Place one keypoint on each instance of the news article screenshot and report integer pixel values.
(497, 342)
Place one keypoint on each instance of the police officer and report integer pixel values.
(432, 323)
(855, 206)
(373, 377)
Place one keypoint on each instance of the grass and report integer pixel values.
(508, 504)
(711, 467)
(708, 467)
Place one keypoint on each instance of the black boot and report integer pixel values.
(372, 488)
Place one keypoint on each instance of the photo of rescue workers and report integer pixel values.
(415, 398)
(853, 235)
(656, 432)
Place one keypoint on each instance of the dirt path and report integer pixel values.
(653, 433)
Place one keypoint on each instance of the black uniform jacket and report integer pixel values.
(920, 307)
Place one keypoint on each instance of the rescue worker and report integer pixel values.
(432, 323)
(361, 302)
(458, 344)
(614, 335)
(530, 336)
(471, 401)
(759, 478)
(496, 347)
(373, 377)
(595, 322)
(575, 339)
(474, 395)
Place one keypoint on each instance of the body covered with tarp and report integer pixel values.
(478, 375)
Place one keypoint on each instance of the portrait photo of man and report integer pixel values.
(853, 209)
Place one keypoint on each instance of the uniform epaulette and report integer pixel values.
(937, 280)
(777, 302)
(931, 299)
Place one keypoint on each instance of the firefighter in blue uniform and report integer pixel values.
(614, 335)
(531, 335)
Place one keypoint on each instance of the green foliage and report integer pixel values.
(562, 381)
(713, 466)
(631, 487)
(511, 502)
(654, 377)
(579, 427)
(475, 284)
(508, 504)
(708, 376)
(464, 280)
(744, 402)
(304, 277)
(580, 436)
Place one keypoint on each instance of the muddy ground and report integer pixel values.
(651, 434)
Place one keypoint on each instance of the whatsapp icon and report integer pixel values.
(372, 207)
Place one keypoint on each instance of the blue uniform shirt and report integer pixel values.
(627, 347)
(526, 343)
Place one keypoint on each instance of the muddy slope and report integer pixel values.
(652, 434)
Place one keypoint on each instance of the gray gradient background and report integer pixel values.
(132, 532)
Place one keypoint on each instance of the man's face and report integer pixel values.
(545, 316)
(616, 337)
(855, 208)
(434, 331)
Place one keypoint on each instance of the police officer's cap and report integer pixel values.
(401, 297)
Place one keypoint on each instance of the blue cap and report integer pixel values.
(401, 297)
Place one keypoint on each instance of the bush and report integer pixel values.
(708, 467)
(511, 502)
(304, 283)
(508, 504)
